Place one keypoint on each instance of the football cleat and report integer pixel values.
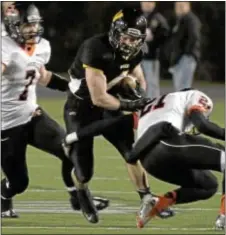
(166, 213)
(87, 206)
(7, 210)
(100, 203)
(144, 214)
(9, 214)
(220, 222)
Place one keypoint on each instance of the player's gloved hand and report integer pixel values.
(134, 105)
(141, 91)
(136, 93)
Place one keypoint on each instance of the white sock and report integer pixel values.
(7, 184)
(4, 198)
(71, 138)
(222, 161)
(71, 189)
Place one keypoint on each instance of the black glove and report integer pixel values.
(141, 91)
(134, 105)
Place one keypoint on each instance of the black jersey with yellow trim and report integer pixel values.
(97, 53)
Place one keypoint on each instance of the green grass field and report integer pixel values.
(44, 207)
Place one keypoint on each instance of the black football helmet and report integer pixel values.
(128, 22)
(17, 24)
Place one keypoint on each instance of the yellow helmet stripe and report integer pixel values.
(117, 16)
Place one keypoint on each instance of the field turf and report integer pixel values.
(44, 207)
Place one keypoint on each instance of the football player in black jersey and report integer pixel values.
(101, 62)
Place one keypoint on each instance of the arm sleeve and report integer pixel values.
(205, 126)
(199, 108)
(91, 55)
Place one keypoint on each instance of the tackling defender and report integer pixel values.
(24, 54)
(171, 155)
(176, 157)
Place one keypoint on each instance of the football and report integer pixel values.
(128, 88)
(129, 81)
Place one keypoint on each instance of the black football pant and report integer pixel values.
(41, 132)
(186, 160)
(79, 114)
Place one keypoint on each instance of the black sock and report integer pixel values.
(143, 192)
(66, 170)
(72, 192)
(6, 204)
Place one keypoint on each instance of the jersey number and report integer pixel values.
(30, 75)
(150, 106)
(204, 102)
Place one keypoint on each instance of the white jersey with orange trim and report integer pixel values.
(3, 30)
(174, 108)
(18, 88)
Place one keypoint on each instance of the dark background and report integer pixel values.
(67, 24)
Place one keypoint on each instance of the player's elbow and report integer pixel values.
(201, 127)
(98, 100)
(199, 121)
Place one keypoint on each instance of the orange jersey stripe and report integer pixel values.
(196, 107)
(29, 49)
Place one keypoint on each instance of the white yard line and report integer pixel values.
(104, 178)
(108, 228)
(105, 192)
(64, 207)
(116, 211)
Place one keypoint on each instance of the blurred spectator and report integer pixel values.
(157, 33)
(84, 19)
(7, 8)
(184, 46)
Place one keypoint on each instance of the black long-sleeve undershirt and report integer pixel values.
(206, 127)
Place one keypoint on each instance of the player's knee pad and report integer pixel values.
(212, 183)
(211, 189)
(206, 185)
(20, 185)
(83, 176)
(208, 193)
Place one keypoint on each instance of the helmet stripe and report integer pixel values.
(117, 16)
